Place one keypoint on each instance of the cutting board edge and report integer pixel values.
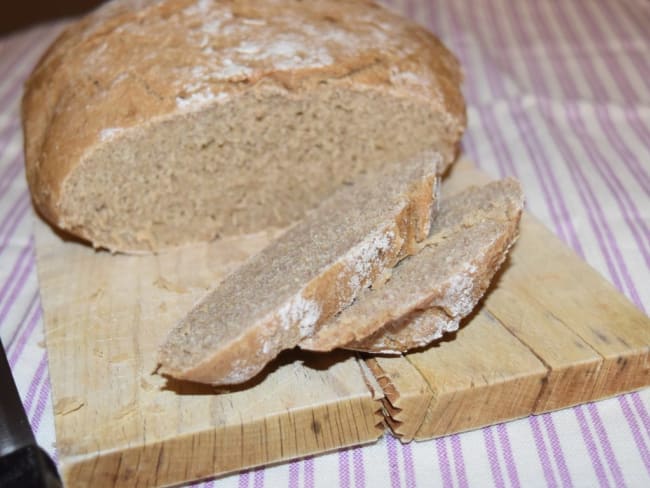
(122, 466)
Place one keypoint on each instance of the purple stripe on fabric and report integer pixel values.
(595, 156)
(16, 44)
(596, 210)
(258, 478)
(22, 278)
(499, 148)
(409, 9)
(641, 410)
(542, 452)
(409, 468)
(434, 20)
(13, 92)
(29, 311)
(492, 137)
(611, 179)
(495, 467)
(467, 143)
(17, 55)
(10, 233)
(393, 465)
(565, 77)
(497, 88)
(459, 461)
(560, 216)
(638, 126)
(630, 159)
(43, 396)
(8, 134)
(606, 241)
(36, 380)
(592, 78)
(556, 448)
(10, 131)
(616, 71)
(243, 480)
(359, 468)
(471, 92)
(614, 20)
(32, 44)
(541, 164)
(611, 60)
(9, 175)
(10, 122)
(614, 67)
(509, 459)
(14, 271)
(208, 484)
(443, 461)
(639, 16)
(578, 181)
(537, 81)
(294, 474)
(12, 218)
(591, 447)
(636, 431)
(21, 68)
(497, 24)
(606, 445)
(16, 349)
(344, 468)
(309, 472)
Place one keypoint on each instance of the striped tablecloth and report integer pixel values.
(559, 96)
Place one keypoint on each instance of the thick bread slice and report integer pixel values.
(429, 293)
(154, 123)
(285, 292)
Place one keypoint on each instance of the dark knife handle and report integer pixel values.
(22, 463)
(28, 467)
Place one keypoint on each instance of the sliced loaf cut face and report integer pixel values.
(429, 293)
(154, 123)
(284, 293)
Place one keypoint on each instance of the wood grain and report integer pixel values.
(550, 333)
(118, 423)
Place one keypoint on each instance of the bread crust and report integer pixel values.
(430, 292)
(132, 63)
(284, 293)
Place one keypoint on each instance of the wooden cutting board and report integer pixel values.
(551, 333)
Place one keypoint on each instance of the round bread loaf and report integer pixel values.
(151, 124)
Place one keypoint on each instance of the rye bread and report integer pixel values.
(154, 123)
(283, 294)
(429, 293)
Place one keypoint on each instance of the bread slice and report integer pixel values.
(154, 123)
(312, 271)
(429, 293)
